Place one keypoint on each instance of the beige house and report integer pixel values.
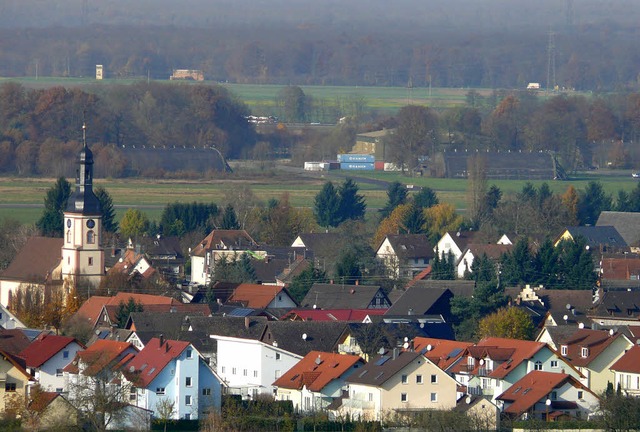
(54, 412)
(398, 383)
(14, 376)
(627, 372)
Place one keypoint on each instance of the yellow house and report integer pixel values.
(398, 383)
(14, 381)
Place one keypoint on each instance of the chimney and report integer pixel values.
(161, 339)
(247, 321)
(331, 281)
(395, 353)
(357, 282)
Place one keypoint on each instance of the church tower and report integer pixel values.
(82, 253)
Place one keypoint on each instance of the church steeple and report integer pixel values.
(83, 200)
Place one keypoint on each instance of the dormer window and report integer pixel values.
(585, 352)
(564, 350)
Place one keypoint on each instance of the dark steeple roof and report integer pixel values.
(83, 200)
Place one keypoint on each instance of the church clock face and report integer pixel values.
(91, 223)
(68, 223)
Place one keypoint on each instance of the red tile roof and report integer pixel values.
(442, 352)
(357, 315)
(596, 341)
(17, 362)
(503, 349)
(534, 387)
(153, 358)
(254, 295)
(36, 260)
(128, 263)
(102, 354)
(316, 370)
(42, 401)
(620, 268)
(224, 240)
(629, 362)
(13, 341)
(44, 347)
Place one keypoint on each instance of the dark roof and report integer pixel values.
(246, 328)
(627, 224)
(13, 341)
(267, 270)
(36, 260)
(462, 238)
(621, 304)
(320, 243)
(420, 300)
(340, 296)
(458, 287)
(301, 337)
(83, 200)
(410, 246)
(597, 236)
(393, 334)
(595, 340)
(383, 367)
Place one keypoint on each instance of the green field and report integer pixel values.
(22, 199)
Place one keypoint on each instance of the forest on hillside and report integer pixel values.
(582, 45)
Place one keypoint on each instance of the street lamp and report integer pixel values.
(548, 404)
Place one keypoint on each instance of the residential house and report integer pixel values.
(592, 352)
(455, 242)
(38, 264)
(261, 296)
(482, 412)
(47, 356)
(442, 352)
(249, 367)
(229, 244)
(598, 238)
(548, 396)
(341, 296)
(53, 412)
(421, 300)
(356, 315)
(170, 370)
(626, 223)
(302, 337)
(399, 382)
(165, 254)
(626, 372)
(8, 320)
(492, 365)
(134, 264)
(616, 308)
(405, 255)
(620, 271)
(16, 379)
(13, 341)
(316, 380)
(493, 251)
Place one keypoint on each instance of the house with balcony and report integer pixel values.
(626, 372)
(47, 356)
(317, 380)
(492, 365)
(397, 382)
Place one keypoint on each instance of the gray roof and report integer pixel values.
(383, 367)
(409, 246)
(395, 331)
(246, 328)
(597, 236)
(172, 325)
(419, 300)
(302, 337)
(458, 287)
(627, 224)
(340, 296)
(620, 304)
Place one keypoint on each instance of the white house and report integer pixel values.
(47, 356)
(454, 242)
(249, 367)
(169, 372)
(405, 255)
(493, 251)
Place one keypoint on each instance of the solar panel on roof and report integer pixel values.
(455, 352)
(240, 312)
(382, 360)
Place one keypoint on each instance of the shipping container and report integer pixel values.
(388, 166)
(314, 166)
(379, 165)
(360, 158)
(357, 166)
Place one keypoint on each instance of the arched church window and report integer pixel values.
(91, 237)
(68, 236)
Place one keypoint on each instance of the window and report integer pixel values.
(58, 372)
(189, 353)
(159, 390)
(307, 403)
(68, 236)
(537, 365)
(90, 261)
(277, 374)
(91, 237)
(564, 350)
(434, 397)
(223, 369)
(404, 379)
(403, 397)
(10, 387)
(59, 390)
(418, 379)
(132, 394)
(65, 354)
(206, 392)
(244, 372)
(187, 381)
(554, 363)
(580, 394)
(255, 374)
(187, 400)
(585, 352)
(187, 416)
(434, 379)
(233, 371)
(554, 395)
(370, 397)
(277, 356)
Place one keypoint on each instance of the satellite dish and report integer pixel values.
(304, 336)
(381, 351)
(581, 325)
(568, 306)
(315, 306)
(468, 400)
(421, 325)
(405, 345)
(611, 332)
(406, 339)
(132, 369)
(429, 347)
(275, 344)
(481, 362)
(565, 317)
